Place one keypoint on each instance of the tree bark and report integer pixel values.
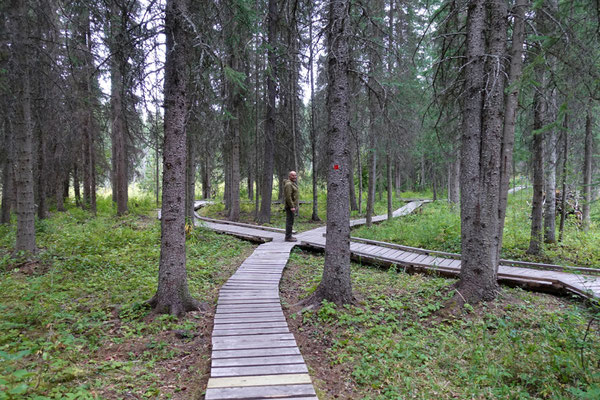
(336, 285)
(587, 171)
(25, 238)
(8, 175)
(264, 215)
(172, 295)
(550, 186)
(313, 133)
(454, 181)
(353, 204)
(539, 112)
(481, 147)
(390, 189)
(511, 105)
(190, 179)
(565, 160)
(118, 125)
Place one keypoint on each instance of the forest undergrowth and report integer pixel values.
(397, 343)
(74, 323)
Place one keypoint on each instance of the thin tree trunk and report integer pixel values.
(587, 171)
(353, 205)
(360, 178)
(8, 175)
(313, 133)
(375, 66)
(535, 242)
(172, 295)
(264, 215)
(76, 185)
(511, 104)
(335, 285)
(390, 205)
(454, 181)
(563, 198)
(550, 188)
(190, 178)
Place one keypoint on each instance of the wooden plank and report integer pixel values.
(253, 338)
(264, 380)
(225, 321)
(254, 345)
(250, 325)
(259, 370)
(254, 392)
(263, 352)
(253, 316)
(249, 331)
(250, 361)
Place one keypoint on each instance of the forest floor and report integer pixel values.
(397, 343)
(74, 323)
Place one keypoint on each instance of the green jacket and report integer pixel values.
(291, 194)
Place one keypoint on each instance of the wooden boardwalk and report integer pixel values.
(254, 354)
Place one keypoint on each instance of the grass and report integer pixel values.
(74, 320)
(396, 343)
(436, 226)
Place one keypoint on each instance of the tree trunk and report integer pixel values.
(264, 215)
(375, 66)
(372, 180)
(76, 185)
(481, 147)
(8, 176)
(172, 295)
(587, 171)
(313, 133)
(25, 238)
(454, 181)
(336, 285)
(511, 104)
(390, 205)
(353, 204)
(190, 178)
(563, 198)
(535, 242)
(118, 126)
(360, 178)
(550, 186)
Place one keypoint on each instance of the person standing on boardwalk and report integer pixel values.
(290, 191)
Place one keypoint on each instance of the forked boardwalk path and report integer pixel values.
(254, 354)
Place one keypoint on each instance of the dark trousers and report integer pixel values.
(289, 222)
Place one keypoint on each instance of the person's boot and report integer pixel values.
(291, 239)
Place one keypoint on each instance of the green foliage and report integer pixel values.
(88, 292)
(397, 342)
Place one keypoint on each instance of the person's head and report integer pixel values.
(292, 175)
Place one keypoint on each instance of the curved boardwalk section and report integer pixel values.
(254, 354)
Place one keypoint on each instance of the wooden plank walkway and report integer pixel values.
(255, 356)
